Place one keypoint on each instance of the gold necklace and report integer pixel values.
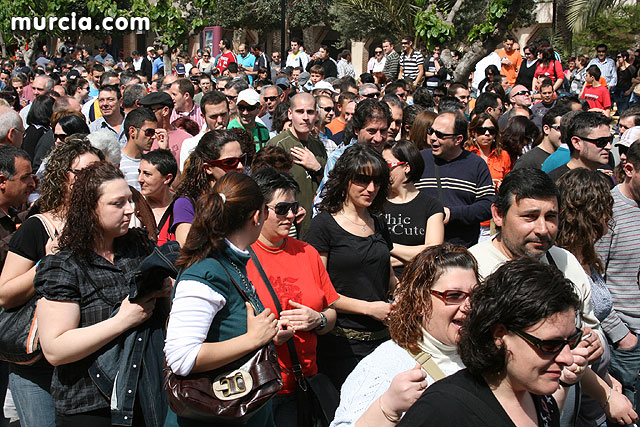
(362, 227)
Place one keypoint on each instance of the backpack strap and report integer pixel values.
(429, 365)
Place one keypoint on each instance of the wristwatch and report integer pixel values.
(323, 321)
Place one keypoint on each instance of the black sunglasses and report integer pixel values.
(229, 162)
(599, 142)
(148, 132)
(481, 130)
(327, 109)
(439, 135)
(242, 107)
(60, 136)
(372, 95)
(270, 98)
(522, 92)
(551, 347)
(364, 179)
(283, 208)
(378, 51)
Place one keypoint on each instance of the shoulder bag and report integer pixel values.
(317, 398)
(231, 394)
(19, 342)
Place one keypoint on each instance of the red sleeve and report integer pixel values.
(606, 98)
(559, 72)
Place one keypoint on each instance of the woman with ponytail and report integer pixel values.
(210, 324)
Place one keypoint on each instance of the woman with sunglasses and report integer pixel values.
(431, 304)
(484, 140)
(300, 282)
(516, 344)
(414, 219)
(354, 245)
(217, 153)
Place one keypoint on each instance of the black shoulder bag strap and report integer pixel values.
(437, 171)
(295, 362)
(243, 293)
(550, 260)
(166, 216)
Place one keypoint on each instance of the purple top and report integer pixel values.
(183, 212)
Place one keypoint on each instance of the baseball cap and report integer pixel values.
(324, 86)
(73, 74)
(151, 49)
(180, 68)
(630, 136)
(283, 82)
(303, 78)
(156, 98)
(249, 96)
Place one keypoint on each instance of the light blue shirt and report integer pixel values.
(101, 123)
(331, 163)
(157, 64)
(558, 158)
(247, 62)
(607, 69)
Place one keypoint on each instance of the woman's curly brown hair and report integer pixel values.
(412, 295)
(53, 187)
(586, 207)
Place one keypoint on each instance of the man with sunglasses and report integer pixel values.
(458, 178)
(589, 139)
(161, 105)
(606, 65)
(520, 98)
(271, 95)
(248, 106)
(525, 212)
(411, 62)
(551, 140)
(140, 126)
(309, 154)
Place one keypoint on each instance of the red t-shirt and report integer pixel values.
(296, 273)
(224, 60)
(548, 71)
(597, 97)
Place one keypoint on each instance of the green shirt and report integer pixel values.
(307, 180)
(260, 132)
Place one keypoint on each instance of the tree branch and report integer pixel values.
(453, 11)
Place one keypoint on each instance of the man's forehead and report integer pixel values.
(533, 204)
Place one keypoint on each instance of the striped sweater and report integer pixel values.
(467, 190)
(620, 252)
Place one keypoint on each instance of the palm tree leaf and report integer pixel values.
(580, 12)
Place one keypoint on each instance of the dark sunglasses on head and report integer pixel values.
(372, 95)
(439, 135)
(148, 132)
(229, 162)
(242, 107)
(270, 98)
(451, 296)
(522, 92)
(599, 142)
(481, 130)
(551, 347)
(364, 179)
(283, 208)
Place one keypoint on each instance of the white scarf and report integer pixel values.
(445, 356)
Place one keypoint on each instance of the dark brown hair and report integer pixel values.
(476, 122)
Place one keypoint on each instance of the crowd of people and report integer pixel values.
(442, 253)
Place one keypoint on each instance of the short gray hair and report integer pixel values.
(133, 93)
(264, 89)
(9, 119)
(366, 86)
(106, 141)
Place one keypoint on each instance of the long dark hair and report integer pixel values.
(220, 212)
(357, 159)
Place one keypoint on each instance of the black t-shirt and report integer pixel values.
(558, 172)
(463, 400)
(407, 222)
(624, 77)
(30, 240)
(532, 159)
(358, 266)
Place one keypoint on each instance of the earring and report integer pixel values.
(258, 224)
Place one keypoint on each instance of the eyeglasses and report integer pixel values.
(60, 136)
(439, 135)
(270, 98)
(283, 208)
(395, 164)
(327, 109)
(404, 42)
(242, 107)
(481, 130)
(231, 98)
(74, 171)
(619, 57)
(378, 52)
(438, 95)
(522, 92)
(229, 163)
(556, 127)
(599, 142)
(206, 56)
(148, 132)
(372, 95)
(528, 53)
(275, 57)
(601, 51)
(364, 180)
(451, 296)
(551, 347)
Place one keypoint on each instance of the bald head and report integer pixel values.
(301, 98)
(11, 127)
(520, 96)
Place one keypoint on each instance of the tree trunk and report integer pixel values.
(308, 40)
(3, 46)
(479, 49)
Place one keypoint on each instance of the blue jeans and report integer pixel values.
(4, 382)
(30, 387)
(621, 100)
(625, 367)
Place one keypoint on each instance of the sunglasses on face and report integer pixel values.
(602, 51)
(481, 130)
(439, 135)
(243, 107)
(451, 296)
(522, 92)
(60, 136)
(270, 98)
(229, 163)
(283, 208)
(148, 132)
(372, 95)
(551, 347)
(378, 52)
(231, 98)
(364, 180)
(395, 164)
(327, 109)
(599, 142)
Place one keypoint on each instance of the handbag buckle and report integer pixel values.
(233, 385)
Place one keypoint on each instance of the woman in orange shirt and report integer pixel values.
(484, 140)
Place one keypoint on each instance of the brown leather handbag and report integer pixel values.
(231, 394)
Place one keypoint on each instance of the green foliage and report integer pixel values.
(496, 11)
(432, 29)
(616, 28)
